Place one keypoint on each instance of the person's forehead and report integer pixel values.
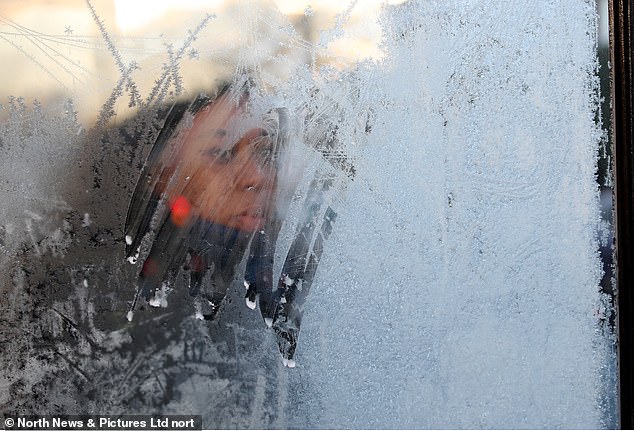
(218, 112)
(223, 118)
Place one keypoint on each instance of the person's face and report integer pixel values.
(226, 173)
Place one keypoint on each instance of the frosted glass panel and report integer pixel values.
(292, 215)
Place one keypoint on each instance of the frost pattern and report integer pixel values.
(457, 289)
(470, 234)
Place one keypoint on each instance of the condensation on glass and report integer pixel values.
(307, 215)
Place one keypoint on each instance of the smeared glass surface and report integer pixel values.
(437, 215)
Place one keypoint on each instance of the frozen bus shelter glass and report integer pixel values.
(305, 215)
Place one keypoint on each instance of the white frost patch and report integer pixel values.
(288, 281)
(283, 300)
(290, 363)
(250, 304)
(86, 221)
(130, 315)
(133, 259)
(128, 239)
(486, 226)
(160, 297)
(85, 283)
(199, 314)
(268, 322)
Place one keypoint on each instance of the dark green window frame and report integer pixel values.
(621, 42)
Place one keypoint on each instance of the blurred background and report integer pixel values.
(56, 49)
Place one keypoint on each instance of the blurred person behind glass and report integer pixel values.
(212, 185)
